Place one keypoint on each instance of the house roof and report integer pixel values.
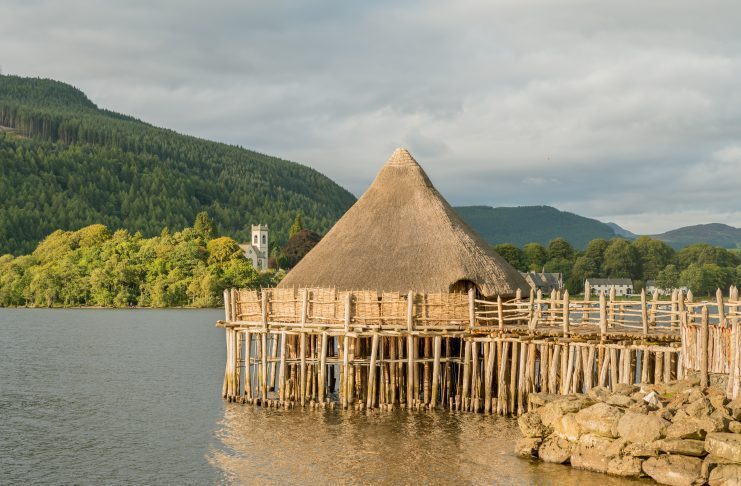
(402, 235)
(544, 278)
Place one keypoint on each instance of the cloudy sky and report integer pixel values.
(624, 111)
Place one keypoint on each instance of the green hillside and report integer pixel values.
(66, 164)
(715, 234)
(524, 224)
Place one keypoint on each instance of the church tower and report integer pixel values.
(260, 242)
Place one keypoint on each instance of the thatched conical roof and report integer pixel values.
(402, 235)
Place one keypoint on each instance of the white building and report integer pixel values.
(622, 286)
(257, 250)
(651, 287)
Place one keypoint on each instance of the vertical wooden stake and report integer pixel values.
(471, 308)
(370, 403)
(704, 333)
(302, 376)
(282, 369)
(323, 368)
(644, 312)
(602, 315)
(566, 313)
(466, 374)
(435, 370)
(264, 367)
(410, 371)
(500, 312)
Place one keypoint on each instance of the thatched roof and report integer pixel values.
(402, 235)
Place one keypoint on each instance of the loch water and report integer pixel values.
(93, 396)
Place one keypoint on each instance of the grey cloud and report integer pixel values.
(629, 111)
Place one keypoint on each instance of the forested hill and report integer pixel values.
(540, 224)
(65, 164)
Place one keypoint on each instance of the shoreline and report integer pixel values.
(673, 433)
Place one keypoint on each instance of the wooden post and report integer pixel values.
(644, 312)
(602, 315)
(372, 372)
(611, 320)
(587, 296)
(410, 371)
(282, 369)
(489, 375)
(721, 308)
(471, 307)
(302, 377)
(512, 398)
(248, 365)
(323, 368)
(566, 313)
(264, 367)
(348, 314)
(264, 309)
(466, 374)
(304, 306)
(227, 306)
(704, 335)
(474, 376)
(654, 307)
(500, 312)
(518, 294)
(345, 379)
(435, 370)
(234, 305)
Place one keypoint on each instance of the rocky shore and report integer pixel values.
(675, 433)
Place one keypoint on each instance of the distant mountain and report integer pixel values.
(716, 234)
(620, 231)
(525, 224)
(65, 164)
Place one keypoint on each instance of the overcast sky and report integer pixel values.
(623, 111)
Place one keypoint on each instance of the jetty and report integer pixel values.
(402, 305)
(454, 351)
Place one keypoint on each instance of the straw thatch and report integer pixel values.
(402, 235)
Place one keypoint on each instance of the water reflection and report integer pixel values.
(301, 447)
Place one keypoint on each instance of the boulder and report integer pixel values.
(641, 450)
(735, 427)
(600, 419)
(674, 470)
(699, 408)
(599, 393)
(528, 446)
(688, 428)
(590, 453)
(711, 462)
(555, 449)
(540, 399)
(567, 427)
(626, 466)
(725, 445)
(625, 389)
(617, 400)
(685, 447)
(638, 407)
(725, 475)
(694, 394)
(677, 402)
(641, 428)
(551, 411)
(531, 425)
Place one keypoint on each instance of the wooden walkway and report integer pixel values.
(368, 349)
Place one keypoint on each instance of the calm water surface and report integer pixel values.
(132, 396)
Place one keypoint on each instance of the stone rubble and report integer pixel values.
(674, 433)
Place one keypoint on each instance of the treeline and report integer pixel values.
(67, 164)
(702, 268)
(96, 267)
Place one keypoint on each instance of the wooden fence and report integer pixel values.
(429, 350)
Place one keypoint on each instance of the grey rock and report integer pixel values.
(674, 470)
